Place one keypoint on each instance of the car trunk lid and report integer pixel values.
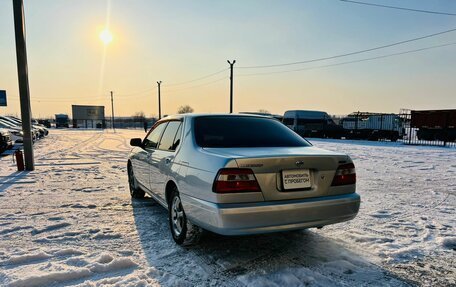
(288, 173)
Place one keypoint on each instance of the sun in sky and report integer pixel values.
(106, 36)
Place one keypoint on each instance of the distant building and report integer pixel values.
(88, 116)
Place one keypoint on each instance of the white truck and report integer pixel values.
(373, 126)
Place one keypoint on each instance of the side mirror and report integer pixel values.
(136, 142)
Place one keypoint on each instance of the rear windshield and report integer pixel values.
(230, 132)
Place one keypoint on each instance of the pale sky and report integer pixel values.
(179, 41)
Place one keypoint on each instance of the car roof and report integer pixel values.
(309, 114)
(180, 116)
(7, 122)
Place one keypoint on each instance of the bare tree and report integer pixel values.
(185, 109)
(139, 116)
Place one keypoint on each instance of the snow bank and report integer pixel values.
(115, 264)
(27, 258)
(105, 264)
(68, 251)
(50, 278)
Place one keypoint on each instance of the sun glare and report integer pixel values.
(106, 36)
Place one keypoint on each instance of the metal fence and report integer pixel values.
(414, 134)
(430, 128)
(403, 127)
(129, 123)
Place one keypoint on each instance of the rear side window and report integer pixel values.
(310, 121)
(177, 139)
(288, 121)
(232, 131)
(152, 139)
(167, 140)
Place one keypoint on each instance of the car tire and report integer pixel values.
(135, 190)
(182, 230)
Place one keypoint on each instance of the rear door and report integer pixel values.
(163, 157)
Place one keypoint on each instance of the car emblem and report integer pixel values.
(299, 163)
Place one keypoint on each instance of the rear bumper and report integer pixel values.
(265, 217)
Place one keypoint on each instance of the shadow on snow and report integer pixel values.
(303, 256)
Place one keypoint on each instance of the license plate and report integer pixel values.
(296, 179)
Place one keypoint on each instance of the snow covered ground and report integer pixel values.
(72, 222)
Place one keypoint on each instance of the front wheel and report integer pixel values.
(183, 231)
(135, 190)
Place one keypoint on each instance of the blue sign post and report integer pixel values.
(3, 98)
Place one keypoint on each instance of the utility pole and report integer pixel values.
(22, 72)
(159, 103)
(231, 85)
(112, 112)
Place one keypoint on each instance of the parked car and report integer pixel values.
(239, 175)
(45, 123)
(6, 141)
(42, 130)
(36, 134)
(15, 131)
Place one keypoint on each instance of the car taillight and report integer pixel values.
(230, 180)
(345, 174)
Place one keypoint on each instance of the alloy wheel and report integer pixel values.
(131, 180)
(177, 216)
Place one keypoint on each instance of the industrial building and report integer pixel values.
(88, 117)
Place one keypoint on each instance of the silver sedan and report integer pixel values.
(239, 175)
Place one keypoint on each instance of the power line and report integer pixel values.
(164, 88)
(139, 94)
(72, 99)
(349, 62)
(95, 98)
(197, 79)
(199, 85)
(47, 100)
(136, 93)
(173, 84)
(124, 97)
(350, 53)
(129, 96)
(51, 101)
(399, 8)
